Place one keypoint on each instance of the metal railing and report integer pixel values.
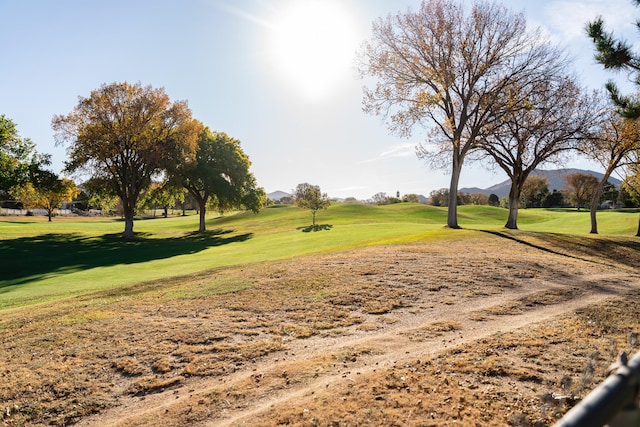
(614, 402)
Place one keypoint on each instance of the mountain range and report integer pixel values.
(555, 177)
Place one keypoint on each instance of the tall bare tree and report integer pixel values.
(613, 149)
(445, 67)
(123, 135)
(551, 115)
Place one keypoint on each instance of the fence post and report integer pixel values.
(614, 402)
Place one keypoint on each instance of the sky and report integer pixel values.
(278, 75)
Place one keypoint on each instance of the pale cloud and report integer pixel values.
(567, 19)
(405, 149)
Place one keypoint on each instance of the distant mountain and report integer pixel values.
(277, 195)
(556, 178)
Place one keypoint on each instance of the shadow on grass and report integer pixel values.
(608, 250)
(30, 258)
(318, 227)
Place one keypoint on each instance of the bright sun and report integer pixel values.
(313, 43)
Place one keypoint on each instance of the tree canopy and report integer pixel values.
(20, 163)
(310, 197)
(124, 134)
(220, 176)
(48, 194)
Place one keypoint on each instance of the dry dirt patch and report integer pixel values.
(400, 335)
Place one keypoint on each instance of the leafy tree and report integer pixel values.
(534, 189)
(159, 195)
(493, 200)
(616, 54)
(439, 197)
(100, 195)
(617, 139)
(220, 176)
(124, 135)
(310, 197)
(480, 199)
(19, 160)
(553, 199)
(49, 193)
(580, 188)
(446, 66)
(411, 198)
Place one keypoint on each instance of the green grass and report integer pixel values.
(44, 261)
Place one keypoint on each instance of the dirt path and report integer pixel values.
(435, 322)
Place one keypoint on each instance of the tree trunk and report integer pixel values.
(49, 214)
(638, 233)
(514, 196)
(452, 209)
(128, 233)
(203, 212)
(595, 201)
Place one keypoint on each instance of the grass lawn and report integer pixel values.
(72, 256)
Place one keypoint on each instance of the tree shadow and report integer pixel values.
(31, 258)
(587, 248)
(317, 227)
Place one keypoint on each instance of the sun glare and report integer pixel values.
(312, 44)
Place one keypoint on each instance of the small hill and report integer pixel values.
(556, 178)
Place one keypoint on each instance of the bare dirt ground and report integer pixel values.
(482, 331)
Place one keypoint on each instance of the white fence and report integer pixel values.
(37, 212)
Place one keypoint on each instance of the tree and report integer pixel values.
(310, 197)
(617, 139)
(446, 67)
(379, 199)
(125, 135)
(553, 200)
(580, 188)
(550, 117)
(439, 197)
(616, 54)
(411, 198)
(631, 183)
(493, 200)
(100, 195)
(533, 191)
(49, 193)
(19, 160)
(220, 176)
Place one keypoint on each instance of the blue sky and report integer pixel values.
(243, 68)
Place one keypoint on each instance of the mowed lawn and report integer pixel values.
(70, 256)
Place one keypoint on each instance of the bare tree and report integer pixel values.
(445, 67)
(617, 140)
(550, 116)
